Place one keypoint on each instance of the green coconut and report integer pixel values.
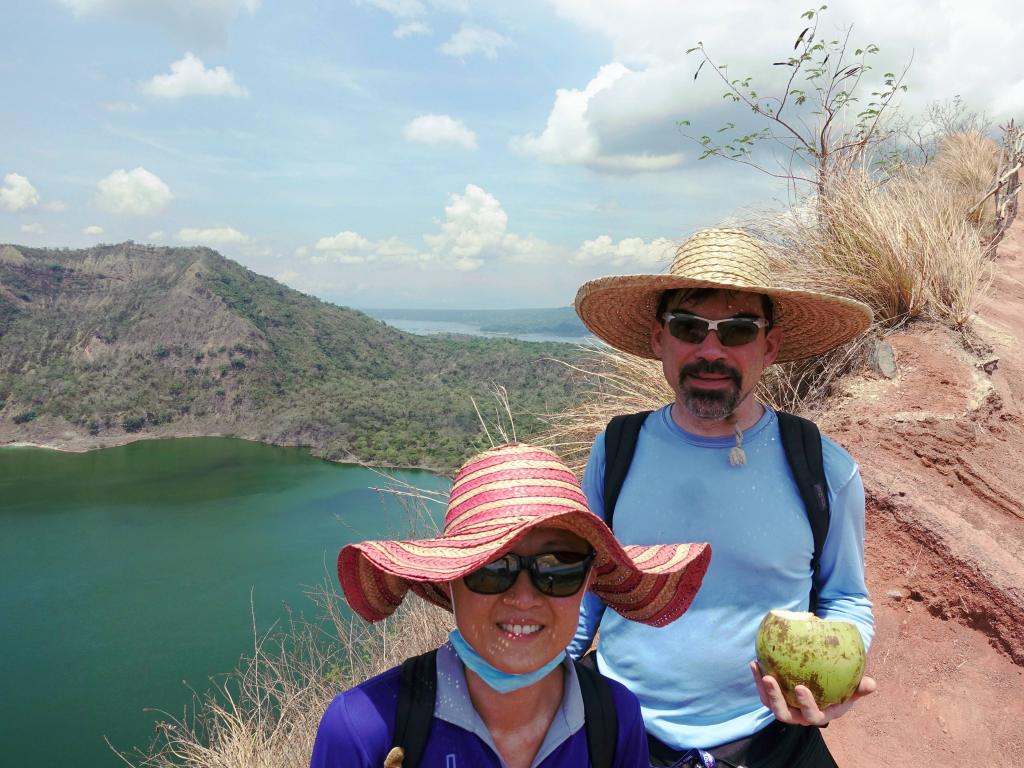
(800, 649)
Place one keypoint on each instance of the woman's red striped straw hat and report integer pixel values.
(496, 498)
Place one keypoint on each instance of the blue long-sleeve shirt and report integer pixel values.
(692, 676)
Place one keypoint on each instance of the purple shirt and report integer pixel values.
(356, 729)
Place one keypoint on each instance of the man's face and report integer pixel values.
(711, 381)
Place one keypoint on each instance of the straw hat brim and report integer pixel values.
(652, 585)
(619, 311)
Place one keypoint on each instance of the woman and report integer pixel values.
(519, 549)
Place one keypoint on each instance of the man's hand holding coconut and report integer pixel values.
(809, 671)
(785, 519)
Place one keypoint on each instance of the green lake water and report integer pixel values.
(127, 576)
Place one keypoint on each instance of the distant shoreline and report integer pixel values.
(147, 438)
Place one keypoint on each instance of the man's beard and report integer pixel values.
(710, 404)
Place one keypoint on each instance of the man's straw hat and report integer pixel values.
(498, 496)
(619, 309)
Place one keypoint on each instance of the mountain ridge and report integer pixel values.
(103, 345)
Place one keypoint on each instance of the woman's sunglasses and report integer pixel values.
(732, 331)
(555, 574)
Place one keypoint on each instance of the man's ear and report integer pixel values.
(773, 343)
(657, 334)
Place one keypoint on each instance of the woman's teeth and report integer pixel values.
(520, 629)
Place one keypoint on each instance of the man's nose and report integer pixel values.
(711, 348)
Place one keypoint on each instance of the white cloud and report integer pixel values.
(472, 39)
(190, 77)
(474, 235)
(630, 251)
(194, 22)
(632, 119)
(474, 230)
(136, 192)
(93, 230)
(17, 193)
(215, 235)
(440, 129)
(570, 138)
(455, 6)
(34, 228)
(57, 206)
(400, 9)
(343, 241)
(474, 227)
(411, 28)
(158, 235)
(349, 247)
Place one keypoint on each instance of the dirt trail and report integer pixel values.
(941, 448)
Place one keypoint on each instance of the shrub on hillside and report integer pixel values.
(133, 423)
(24, 417)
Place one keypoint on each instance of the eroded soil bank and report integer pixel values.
(941, 448)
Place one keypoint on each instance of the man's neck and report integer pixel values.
(745, 416)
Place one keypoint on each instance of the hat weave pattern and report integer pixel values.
(497, 497)
(619, 309)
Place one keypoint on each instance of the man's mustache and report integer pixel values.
(715, 368)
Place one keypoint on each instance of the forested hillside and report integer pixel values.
(101, 345)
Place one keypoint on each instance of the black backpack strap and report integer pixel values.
(620, 438)
(415, 712)
(801, 441)
(599, 716)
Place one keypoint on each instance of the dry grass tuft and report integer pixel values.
(969, 162)
(906, 248)
(613, 383)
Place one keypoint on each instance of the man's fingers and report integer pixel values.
(772, 697)
(809, 707)
(867, 685)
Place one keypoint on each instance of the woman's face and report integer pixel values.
(520, 630)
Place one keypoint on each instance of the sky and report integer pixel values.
(428, 153)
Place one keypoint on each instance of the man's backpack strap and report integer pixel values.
(599, 716)
(801, 441)
(414, 715)
(620, 438)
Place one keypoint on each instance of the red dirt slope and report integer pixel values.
(941, 448)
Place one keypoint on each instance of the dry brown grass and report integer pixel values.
(613, 383)
(969, 161)
(266, 713)
(906, 247)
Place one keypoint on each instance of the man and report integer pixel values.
(711, 467)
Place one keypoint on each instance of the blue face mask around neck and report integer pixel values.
(502, 682)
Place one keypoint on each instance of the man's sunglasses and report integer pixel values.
(732, 331)
(555, 574)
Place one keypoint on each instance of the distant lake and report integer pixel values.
(126, 571)
(430, 327)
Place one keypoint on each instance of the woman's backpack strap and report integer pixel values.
(599, 716)
(417, 692)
